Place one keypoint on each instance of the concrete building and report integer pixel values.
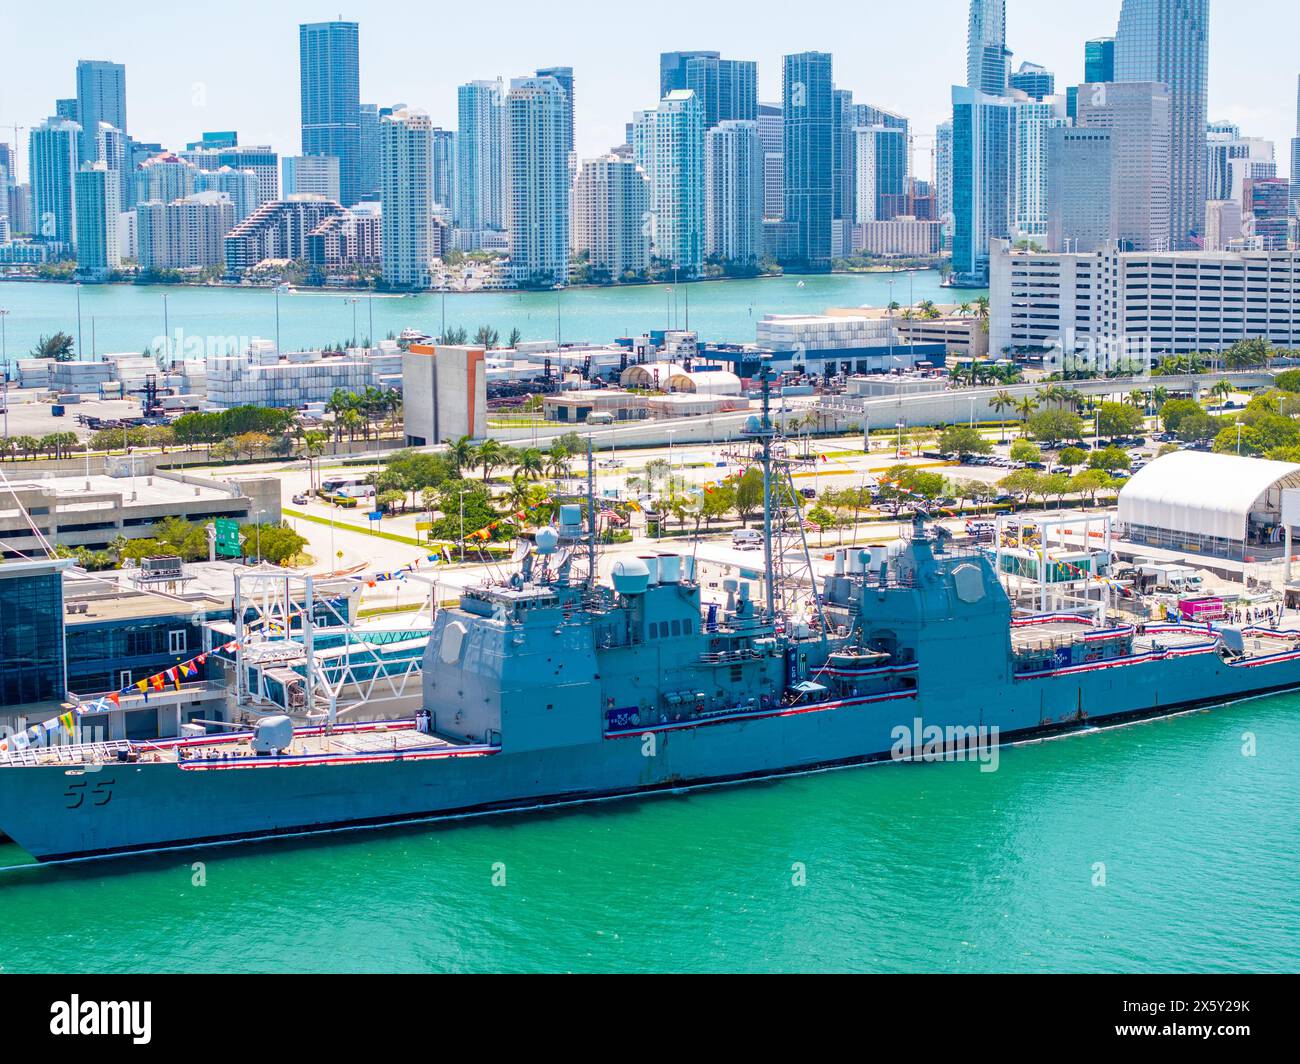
(330, 98)
(164, 178)
(1223, 225)
(1230, 159)
(346, 243)
(1166, 42)
(808, 127)
(880, 173)
(902, 236)
(98, 207)
(669, 145)
(1268, 201)
(278, 231)
(310, 175)
(1137, 114)
(410, 240)
(538, 137)
(444, 393)
(79, 510)
(261, 160)
(185, 234)
(1081, 175)
(733, 192)
(770, 133)
(1295, 162)
(611, 197)
(1109, 308)
(238, 186)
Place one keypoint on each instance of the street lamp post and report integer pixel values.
(77, 286)
(4, 356)
(167, 331)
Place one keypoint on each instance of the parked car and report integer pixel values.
(300, 499)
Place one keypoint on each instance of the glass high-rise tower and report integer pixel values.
(101, 97)
(808, 128)
(988, 62)
(1099, 60)
(331, 99)
(1167, 41)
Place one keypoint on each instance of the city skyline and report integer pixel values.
(1251, 79)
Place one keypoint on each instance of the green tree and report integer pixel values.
(1089, 482)
(59, 347)
(1118, 419)
(1109, 460)
(963, 440)
(1024, 451)
(1073, 456)
(1052, 427)
(748, 495)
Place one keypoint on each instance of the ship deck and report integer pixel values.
(347, 742)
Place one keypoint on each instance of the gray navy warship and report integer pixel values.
(549, 687)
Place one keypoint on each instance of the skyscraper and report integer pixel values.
(943, 172)
(983, 178)
(1231, 158)
(111, 149)
(98, 207)
(480, 157)
(727, 88)
(1080, 193)
(1167, 41)
(1295, 161)
(843, 119)
(537, 130)
(368, 179)
(770, 125)
(669, 145)
(331, 98)
(564, 75)
(310, 175)
(52, 163)
(611, 198)
(672, 69)
(1099, 60)
(987, 59)
(101, 97)
(406, 180)
(880, 174)
(1137, 114)
(1034, 121)
(733, 192)
(808, 127)
(444, 170)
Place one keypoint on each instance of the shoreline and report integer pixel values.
(870, 271)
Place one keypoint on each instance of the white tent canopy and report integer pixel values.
(1205, 494)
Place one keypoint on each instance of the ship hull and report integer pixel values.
(124, 808)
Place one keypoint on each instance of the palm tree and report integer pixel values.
(1025, 408)
(531, 464)
(964, 310)
(489, 455)
(1002, 402)
(460, 453)
(557, 460)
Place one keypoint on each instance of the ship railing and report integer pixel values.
(727, 657)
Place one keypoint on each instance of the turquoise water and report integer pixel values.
(908, 868)
(119, 318)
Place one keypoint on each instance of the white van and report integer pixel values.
(747, 539)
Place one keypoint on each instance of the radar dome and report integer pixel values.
(547, 540)
(631, 576)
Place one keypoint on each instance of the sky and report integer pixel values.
(234, 65)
